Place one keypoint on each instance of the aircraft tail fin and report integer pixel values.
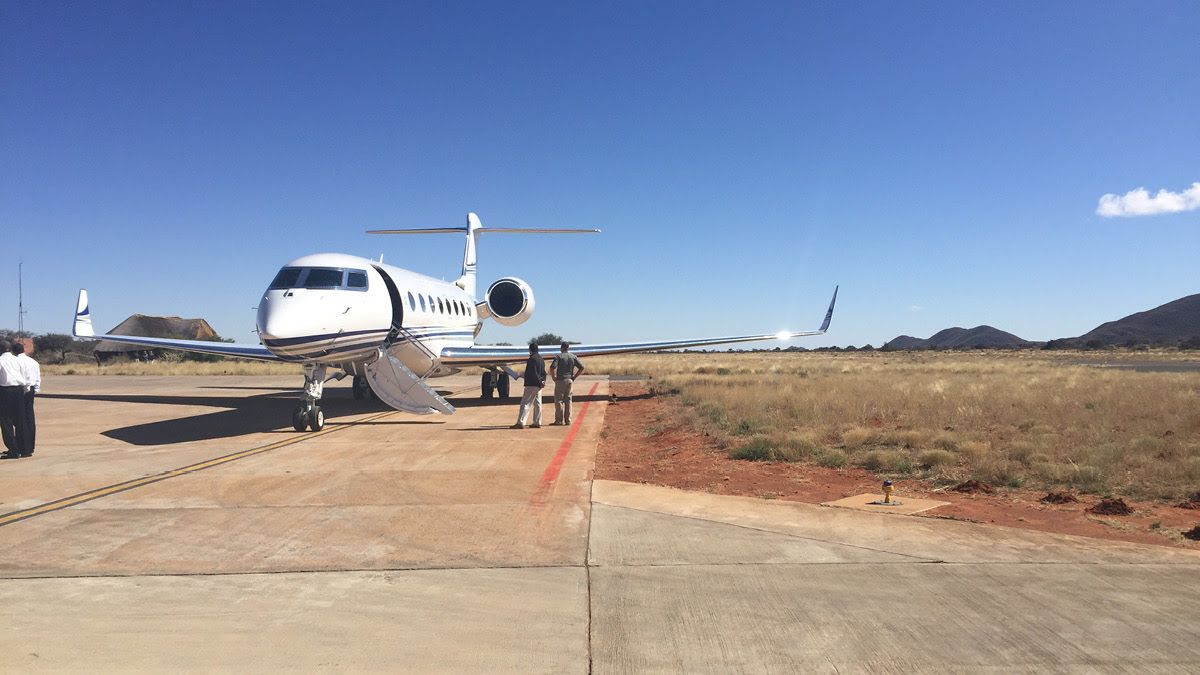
(473, 229)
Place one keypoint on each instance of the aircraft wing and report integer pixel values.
(82, 328)
(483, 355)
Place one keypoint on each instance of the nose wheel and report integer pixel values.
(312, 418)
(308, 415)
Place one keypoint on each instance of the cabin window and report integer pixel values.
(441, 307)
(422, 302)
(412, 302)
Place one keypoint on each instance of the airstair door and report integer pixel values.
(400, 387)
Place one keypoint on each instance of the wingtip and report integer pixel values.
(82, 327)
(829, 312)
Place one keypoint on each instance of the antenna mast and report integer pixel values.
(20, 299)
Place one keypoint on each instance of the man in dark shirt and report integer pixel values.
(535, 379)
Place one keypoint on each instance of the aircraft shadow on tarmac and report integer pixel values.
(244, 415)
(261, 413)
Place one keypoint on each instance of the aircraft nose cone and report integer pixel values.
(275, 322)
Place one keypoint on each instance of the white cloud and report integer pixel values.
(1139, 202)
(915, 308)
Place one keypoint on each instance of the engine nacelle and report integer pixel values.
(509, 301)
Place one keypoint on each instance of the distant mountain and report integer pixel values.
(903, 342)
(979, 337)
(1168, 324)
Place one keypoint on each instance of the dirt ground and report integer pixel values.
(643, 442)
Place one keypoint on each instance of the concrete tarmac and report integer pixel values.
(180, 524)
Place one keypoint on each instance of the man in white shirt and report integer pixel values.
(26, 426)
(12, 394)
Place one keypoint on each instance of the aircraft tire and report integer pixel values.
(485, 384)
(299, 419)
(359, 387)
(316, 419)
(502, 385)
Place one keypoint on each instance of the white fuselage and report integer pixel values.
(333, 308)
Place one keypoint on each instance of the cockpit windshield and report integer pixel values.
(320, 277)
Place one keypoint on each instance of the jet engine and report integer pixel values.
(509, 301)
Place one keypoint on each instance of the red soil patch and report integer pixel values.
(643, 442)
(1059, 498)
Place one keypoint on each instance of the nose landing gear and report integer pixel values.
(308, 413)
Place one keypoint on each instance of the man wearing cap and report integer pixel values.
(564, 369)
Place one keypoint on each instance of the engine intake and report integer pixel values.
(510, 301)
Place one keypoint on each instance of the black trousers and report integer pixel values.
(26, 425)
(11, 402)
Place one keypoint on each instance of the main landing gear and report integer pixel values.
(308, 413)
(361, 389)
(493, 381)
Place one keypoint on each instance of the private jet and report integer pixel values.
(391, 329)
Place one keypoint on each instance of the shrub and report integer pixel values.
(946, 442)
(1087, 479)
(858, 437)
(834, 459)
(763, 449)
(749, 428)
(934, 459)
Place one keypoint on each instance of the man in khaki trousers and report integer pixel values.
(535, 379)
(564, 368)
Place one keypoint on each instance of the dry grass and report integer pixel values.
(175, 368)
(1008, 418)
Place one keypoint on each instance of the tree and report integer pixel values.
(547, 339)
(55, 343)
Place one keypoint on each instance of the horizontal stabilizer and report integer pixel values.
(487, 230)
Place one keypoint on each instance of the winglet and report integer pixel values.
(83, 317)
(829, 312)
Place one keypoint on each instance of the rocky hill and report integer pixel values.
(1168, 324)
(979, 337)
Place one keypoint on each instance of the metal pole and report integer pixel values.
(20, 299)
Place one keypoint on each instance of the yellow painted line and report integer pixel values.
(65, 502)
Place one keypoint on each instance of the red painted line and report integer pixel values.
(550, 475)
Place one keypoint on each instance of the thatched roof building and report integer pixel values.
(151, 326)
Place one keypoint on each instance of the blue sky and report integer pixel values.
(942, 162)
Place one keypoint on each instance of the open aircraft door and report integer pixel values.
(400, 388)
